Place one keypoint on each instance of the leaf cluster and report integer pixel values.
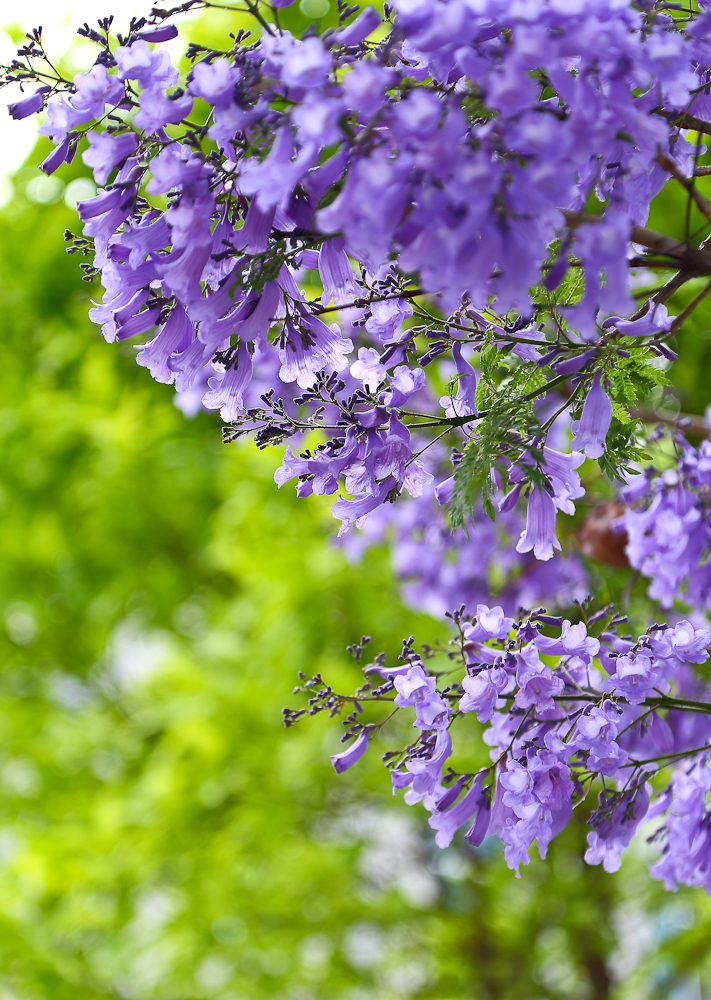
(483, 467)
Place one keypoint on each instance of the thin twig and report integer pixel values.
(691, 423)
(702, 203)
(690, 308)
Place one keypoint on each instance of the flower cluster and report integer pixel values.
(561, 713)
(284, 179)
(440, 569)
(281, 228)
(669, 529)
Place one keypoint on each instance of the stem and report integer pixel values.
(364, 302)
(702, 203)
(461, 421)
(691, 306)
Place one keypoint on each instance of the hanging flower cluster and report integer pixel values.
(425, 175)
(562, 714)
(411, 232)
(668, 525)
(440, 569)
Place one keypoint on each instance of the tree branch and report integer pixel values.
(695, 260)
(684, 120)
(702, 203)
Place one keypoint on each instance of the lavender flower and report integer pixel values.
(347, 758)
(590, 432)
(537, 684)
(482, 692)
(320, 154)
(635, 678)
(539, 534)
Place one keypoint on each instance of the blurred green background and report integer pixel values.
(161, 835)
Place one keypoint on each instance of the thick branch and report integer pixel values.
(684, 120)
(693, 259)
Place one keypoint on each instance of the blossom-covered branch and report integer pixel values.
(464, 189)
(284, 178)
(563, 713)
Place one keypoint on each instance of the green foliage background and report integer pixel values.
(161, 835)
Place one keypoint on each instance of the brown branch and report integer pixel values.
(702, 203)
(691, 423)
(694, 260)
(684, 120)
(687, 311)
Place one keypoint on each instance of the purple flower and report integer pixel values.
(537, 685)
(106, 152)
(175, 336)
(227, 393)
(61, 117)
(615, 822)
(655, 320)
(305, 64)
(511, 89)
(365, 86)
(574, 641)
(535, 823)
(563, 477)
(574, 364)
(62, 154)
(313, 348)
(347, 758)
(174, 167)
(96, 89)
(539, 533)
(395, 452)
(29, 105)
(138, 62)
(152, 233)
(491, 623)
(444, 491)
(417, 689)
(355, 511)
(596, 729)
(634, 678)
(482, 692)
(426, 766)
(462, 404)
(157, 110)
(686, 856)
(339, 284)
(254, 234)
(446, 822)
(602, 851)
(272, 179)
(416, 685)
(517, 782)
(161, 33)
(404, 382)
(550, 774)
(683, 641)
(387, 316)
(368, 369)
(590, 432)
(214, 82)
(359, 29)
(608, 761)
(480, 827)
